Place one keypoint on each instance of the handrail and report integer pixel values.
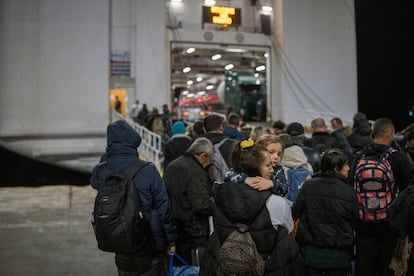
(151, 145)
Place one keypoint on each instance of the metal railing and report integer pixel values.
(151, 145)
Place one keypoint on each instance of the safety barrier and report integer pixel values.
(151, 145)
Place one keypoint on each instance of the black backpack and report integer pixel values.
(119, 223)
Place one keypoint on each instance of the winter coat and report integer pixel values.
(175, 147)
(401, 213)
(361, 135)
(234, 133)
(189, 190)
(121, 153)
(342, 141)
(238, 203)
(327, 207)
(321, 141)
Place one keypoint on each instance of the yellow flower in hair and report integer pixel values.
(247, 143)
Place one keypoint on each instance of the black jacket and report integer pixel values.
(239, 203)
(320, 141)
(361, 135)
(401, 213)
(328, 211)
(189, 190)
(175, 147)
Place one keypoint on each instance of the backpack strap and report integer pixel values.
(219, 144)
(132, 170)
(353, 163)
(389, 151)
(103, 169)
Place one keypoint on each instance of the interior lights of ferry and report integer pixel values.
(229, 66)
(190, 50)
(216, 57)
(260, 68)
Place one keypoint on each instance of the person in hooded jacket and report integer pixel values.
(361, 132)
(121, 152)
(267, 216)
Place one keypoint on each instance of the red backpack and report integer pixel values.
(375, 187)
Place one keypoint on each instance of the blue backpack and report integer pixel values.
(296, 177)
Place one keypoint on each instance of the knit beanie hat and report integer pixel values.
(178, 128)
(295, 129)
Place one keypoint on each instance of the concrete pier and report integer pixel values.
(46, 231)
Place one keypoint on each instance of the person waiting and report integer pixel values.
(177, 144)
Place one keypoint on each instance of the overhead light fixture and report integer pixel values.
(190, 82)
(198, 79)
(216, 57)
(176, 1)
(266, 55)
(190, 50)
(187, 69)
(267, 9)
(260, 68)
(209, 2)
(235, 50)
(209, 87)
(229, 66)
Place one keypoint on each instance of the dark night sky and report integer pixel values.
(385, 59)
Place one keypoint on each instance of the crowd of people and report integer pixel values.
(310, 226)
